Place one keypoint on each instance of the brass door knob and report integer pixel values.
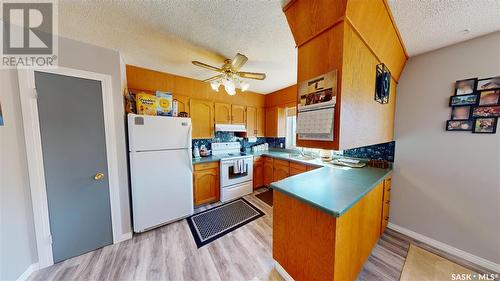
(99, 176)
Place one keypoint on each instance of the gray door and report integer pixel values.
(74, 151)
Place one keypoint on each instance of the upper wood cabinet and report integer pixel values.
(238, 114)
(202, 118)
(222, 113)
(261, 122)
(182, 103)
(251, 121)
(275, 122)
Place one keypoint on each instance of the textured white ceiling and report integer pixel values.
(166, 35)
(427, 25)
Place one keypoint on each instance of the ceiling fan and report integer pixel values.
(230, 74)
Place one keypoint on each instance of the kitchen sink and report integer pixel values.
(301, 157)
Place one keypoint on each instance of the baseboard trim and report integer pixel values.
(446, 248)
(125, 236)
(282, 271)
(32, 268)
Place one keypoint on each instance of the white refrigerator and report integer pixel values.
(160, 169)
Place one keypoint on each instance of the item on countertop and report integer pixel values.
(175, 109)
(485, 125)
(163, 103)
(458, 125)
(326, 155)
(204, 152)
(342, 162)
(130, 102)
(488, 83)
(183, 114)
(470, 99)
(382, 164)
(465, 87)
(145, 104)
(196, 152)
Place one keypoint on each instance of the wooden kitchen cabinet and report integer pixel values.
(281, 169)
(258, 172)
(297, 168)
(251, 121)
(222, 113)
(275, 122)
(182, 103)
(261, 122)
(206, 186)
(202, 118)
(310, 168)
(238, 114)
(268, 170)
(386, 204)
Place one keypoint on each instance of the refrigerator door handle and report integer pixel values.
(190, 159)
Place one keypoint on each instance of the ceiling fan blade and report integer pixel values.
(252, 75)
(204, 65)
(213, 78)
(238, 61)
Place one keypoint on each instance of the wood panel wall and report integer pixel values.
(286, 97)
(354, 37)
(150, 80)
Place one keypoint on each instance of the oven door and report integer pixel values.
(227, 175)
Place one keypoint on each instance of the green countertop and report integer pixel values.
(207, 159)
(331, 189)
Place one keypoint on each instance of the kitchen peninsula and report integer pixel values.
(327, 221)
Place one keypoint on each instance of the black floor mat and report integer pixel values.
(266, 197)
(218, 221)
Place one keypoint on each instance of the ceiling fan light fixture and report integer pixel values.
(215, 85)
(244, 86)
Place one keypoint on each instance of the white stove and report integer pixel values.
(236, 170)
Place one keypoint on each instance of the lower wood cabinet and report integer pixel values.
(268, 170)
(386, 203)
(297, 168)
(258, 172)
(281, 169)
(206, 186)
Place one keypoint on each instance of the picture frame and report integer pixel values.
(465, 86)
(490, 83)
(489, 97)
(460, 112)
(459, 125)
(485, 125)
(486, 111)
(461, 100)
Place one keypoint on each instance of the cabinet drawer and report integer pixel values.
(298, 166)
(258, 159)
(204, 166)
(278, 162)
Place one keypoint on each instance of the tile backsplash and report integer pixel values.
(383, 151)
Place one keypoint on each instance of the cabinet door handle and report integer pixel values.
(388, 202)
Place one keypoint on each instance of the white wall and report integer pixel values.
(17, 232)
(17, 241)
(447, 184)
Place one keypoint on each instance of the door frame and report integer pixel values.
(31, 123)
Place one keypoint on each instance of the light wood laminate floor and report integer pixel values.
(170, 253)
